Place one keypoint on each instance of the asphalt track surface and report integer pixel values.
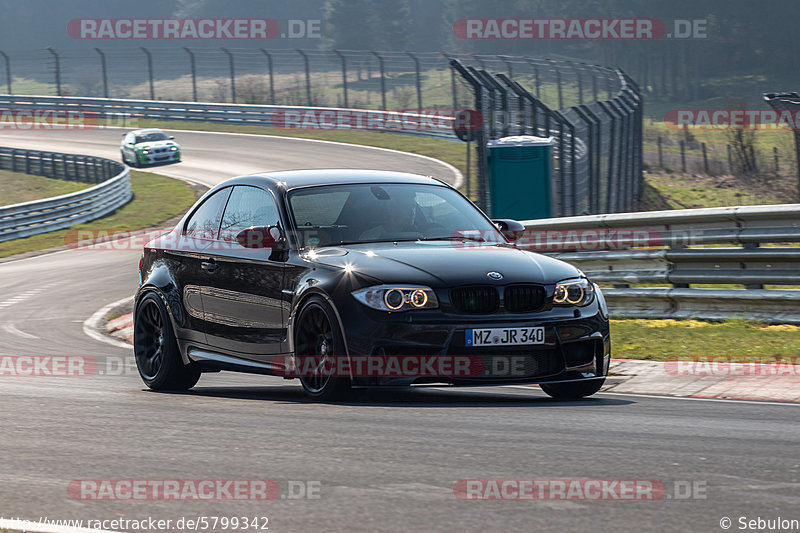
(387, 461)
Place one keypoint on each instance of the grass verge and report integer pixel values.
(659, 339)
(18, 187)
(156, 199)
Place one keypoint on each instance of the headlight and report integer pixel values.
(574, 292)
(397, 298)
(174, 148)
(145, 152)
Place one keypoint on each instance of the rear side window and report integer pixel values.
(204, 223)
(247, 206)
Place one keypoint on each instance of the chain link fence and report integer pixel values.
(593, 113)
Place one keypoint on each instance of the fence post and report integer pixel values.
(775, 153)
(383, 79)
(683, 156)
(149, 71)
(536, 80)
(103, 71)
(452, 79)
(194, 73)
(730, 160)
(233, 73)
(660, 155)
(344, 75)
(419, 80)
(705, 158)
(8, 70)
(58, 69)
(308, 77)
(271, 78)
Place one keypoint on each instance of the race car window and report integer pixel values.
(247, 207)
(204, 222)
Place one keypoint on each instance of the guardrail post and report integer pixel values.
(383, 79)
(103, 71)
(705, 158)
(308, 78)
(344, 75)
(194, 73)
(8, 70)
(149, 71)
(233, 73)
(271, 77)
(775, 154)
(660, 155)
(58, 69)
(419, 80)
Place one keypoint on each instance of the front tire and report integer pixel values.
(155, 348)
(318, 335)
(574, 390)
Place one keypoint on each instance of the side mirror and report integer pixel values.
(257, 237)
(512, 229)
(171, 137)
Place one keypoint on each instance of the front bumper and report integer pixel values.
(576, 346)
(158, 155)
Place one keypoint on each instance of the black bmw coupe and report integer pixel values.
(350, 278)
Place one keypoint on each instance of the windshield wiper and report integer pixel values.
(454, 238)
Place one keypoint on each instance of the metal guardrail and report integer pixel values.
(86, 112)
(113, 190)
(684, 248)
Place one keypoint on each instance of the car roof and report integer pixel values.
(148, 130)
(292, 179)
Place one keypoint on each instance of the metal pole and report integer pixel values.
(233, 73)
(383, 80)
(58, 69)
(194, 73)
(271, 78)
(8, 71)
(344, 75)
(308, 77)
(103, 68)
(149, 71)
(419, 79)
(452, 80)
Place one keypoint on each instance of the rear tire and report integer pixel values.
(318, 335)
(155, 348)
(575, 390)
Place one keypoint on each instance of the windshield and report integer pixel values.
(349, 214)
(152, 136)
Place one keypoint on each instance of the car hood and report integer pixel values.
(155, 144)
(444, 264)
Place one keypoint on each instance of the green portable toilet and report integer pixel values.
(519, 177)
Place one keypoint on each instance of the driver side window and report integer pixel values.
(248, 206)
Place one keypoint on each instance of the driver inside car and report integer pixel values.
(397, 216)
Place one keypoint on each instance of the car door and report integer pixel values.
(187, 259)
(242, 298)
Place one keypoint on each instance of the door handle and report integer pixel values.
(209, 266)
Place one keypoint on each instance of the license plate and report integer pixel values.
(504, 336)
